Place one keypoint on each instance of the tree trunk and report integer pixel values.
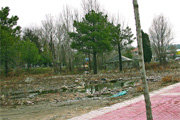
(60, 67)
(102, 61)
(160, 58)
(164, 58)
(6, 66)
(90, 65)
(70, 65)
(120, 57)
(53, 54)
(141, 62)
(28, 66)
(95, 63)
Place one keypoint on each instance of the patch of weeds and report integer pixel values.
(167, 79)
(90, 96)
(139, 89)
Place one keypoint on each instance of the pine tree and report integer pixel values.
(121, 38)
(146, 47)
(9, 34)
(93, 35)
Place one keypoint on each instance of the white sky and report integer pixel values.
(32, 12)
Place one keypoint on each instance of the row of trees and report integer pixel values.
(95, 34)
(52, 43)
(67, 40)
(9, 36)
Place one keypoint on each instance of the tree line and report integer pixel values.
(67, 40)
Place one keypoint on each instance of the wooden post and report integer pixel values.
(141, 62)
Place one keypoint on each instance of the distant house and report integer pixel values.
(114, 62)
(135, 52)
(178, 52)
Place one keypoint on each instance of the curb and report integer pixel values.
(104, 110)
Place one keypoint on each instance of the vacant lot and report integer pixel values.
(61, 97)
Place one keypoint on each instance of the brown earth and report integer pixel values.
(39, 97)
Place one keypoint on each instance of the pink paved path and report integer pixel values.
(165, 106)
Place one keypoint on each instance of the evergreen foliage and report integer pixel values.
(146, 47)
(9, 35)
(29, 53)
(93, 35)
(30, 35)
(122, 37)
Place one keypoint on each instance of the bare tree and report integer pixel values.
(64, 25)
(59, 34)
(161, 36)
(67, 21)
(89, 5)
(49, 35)
(141, 61)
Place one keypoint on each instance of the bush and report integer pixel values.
(31, 71)
(170, 78)
(135, 63)
(167, 79)
(139, 89)
(40, 70)
(176, 79)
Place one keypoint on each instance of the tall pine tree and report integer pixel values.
(121, 38)
(146, 47)
(9, 34)
(93, 35)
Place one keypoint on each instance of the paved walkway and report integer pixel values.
(165, 106)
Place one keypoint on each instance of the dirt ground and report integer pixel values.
(57, 101)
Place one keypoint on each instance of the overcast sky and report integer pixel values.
(32, 12)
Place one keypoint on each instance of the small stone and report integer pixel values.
(29, 102)
(104, 79)
(76, 81)
(64, 88)
(32, 95)
(29, 79)
(2, 97)
(113, 81)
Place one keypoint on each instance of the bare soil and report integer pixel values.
(40, 97)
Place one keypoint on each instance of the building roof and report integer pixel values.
(135, 50)
(116, 59)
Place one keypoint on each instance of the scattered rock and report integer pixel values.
(76, 81)
(2, 97)
(29, 79)
(94, 82)
(137, 84)
(104, 90)
(104, 80)
(82, 84)
(29, 102)
(40, 90)
(64, 88)
(120, 79)
(113, 81)
(80, 87)
(153, 78)
(56, 100)
(72, 86)
(33, 95)
(130, 89)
